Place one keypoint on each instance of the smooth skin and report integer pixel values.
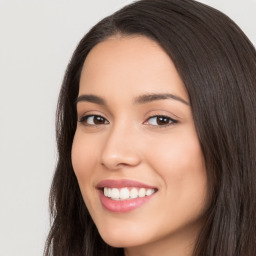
(127, 135)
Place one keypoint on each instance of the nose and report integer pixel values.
(120, 149)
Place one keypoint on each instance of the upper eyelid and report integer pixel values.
(173, 121)
(89, 115)
(164, 113)
(85, 108)
(165, 116)
(160, 115)
(81, 114)
(148, 115)
(84, 121)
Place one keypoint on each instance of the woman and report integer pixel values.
(156, 137)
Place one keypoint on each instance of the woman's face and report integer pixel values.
(136, 142)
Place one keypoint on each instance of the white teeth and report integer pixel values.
(115, 193)
(149, 192)
(142, 192)
(134, 193)
(109, 192)
(125, 193)
(106, 192)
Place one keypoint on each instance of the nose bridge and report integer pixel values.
(120, 147)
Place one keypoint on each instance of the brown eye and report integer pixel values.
(93, 120)
(161, 121)
(98, 120)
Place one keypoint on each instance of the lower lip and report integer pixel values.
(124, 205)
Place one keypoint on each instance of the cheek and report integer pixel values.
(181, 167)
(179, 153)
(83, 159)
(179, 161)
(84, 163)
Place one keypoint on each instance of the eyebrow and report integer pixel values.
(162, 96)
(142, 99)
(91, 98)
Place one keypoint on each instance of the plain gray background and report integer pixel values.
(37, 39)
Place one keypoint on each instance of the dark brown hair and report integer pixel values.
(217, 64)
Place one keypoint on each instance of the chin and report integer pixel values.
(122, 237)
(118, 243)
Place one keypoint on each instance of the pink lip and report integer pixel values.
(124, 205)
(121, 184)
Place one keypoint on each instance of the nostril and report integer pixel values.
(119, 161)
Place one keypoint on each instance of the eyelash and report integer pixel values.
(83, 120)
(168, 119)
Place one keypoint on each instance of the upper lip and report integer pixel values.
(121, 184)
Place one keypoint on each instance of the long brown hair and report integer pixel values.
(217, 64)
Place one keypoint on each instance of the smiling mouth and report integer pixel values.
(120, 196)
(127, 193)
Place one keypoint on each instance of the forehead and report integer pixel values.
(136, 64)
